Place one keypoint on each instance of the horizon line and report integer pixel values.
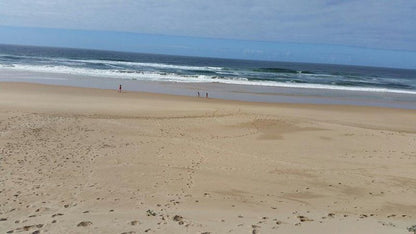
(205, 47)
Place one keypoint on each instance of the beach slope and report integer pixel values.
(78, 160)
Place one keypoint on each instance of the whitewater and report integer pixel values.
(179, 69)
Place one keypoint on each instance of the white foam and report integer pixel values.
(172, 77)
(32, 78)
(119, 74)
(327, 87)
(154, 65)
(113, 62)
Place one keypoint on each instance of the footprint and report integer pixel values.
(84, 224)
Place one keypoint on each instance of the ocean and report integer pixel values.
(263, 75)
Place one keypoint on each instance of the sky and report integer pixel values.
(359, 32)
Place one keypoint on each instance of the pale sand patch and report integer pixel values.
(76, 160)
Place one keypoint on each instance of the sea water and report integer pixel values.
(264, 77)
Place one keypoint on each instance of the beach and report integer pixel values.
(87, 160)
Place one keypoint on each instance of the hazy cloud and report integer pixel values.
(367, 23)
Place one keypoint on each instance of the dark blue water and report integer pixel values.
(151, 67)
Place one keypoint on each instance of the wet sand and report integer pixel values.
(82, 160)
(247, 93)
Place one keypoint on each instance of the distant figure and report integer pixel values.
(206, 95)
(119, 89)
(199, 95)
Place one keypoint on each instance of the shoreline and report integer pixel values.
(248, 93)
(109, 160)
(133, 93)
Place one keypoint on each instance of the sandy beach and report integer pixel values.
(83, 160)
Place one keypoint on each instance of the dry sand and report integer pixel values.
(76, 160)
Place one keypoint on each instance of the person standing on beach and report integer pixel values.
(119, 89)
(206, 95)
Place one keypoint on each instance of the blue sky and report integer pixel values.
(360, 32)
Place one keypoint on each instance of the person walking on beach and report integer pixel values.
(119, 88)
(206, 95)
(199, 95)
